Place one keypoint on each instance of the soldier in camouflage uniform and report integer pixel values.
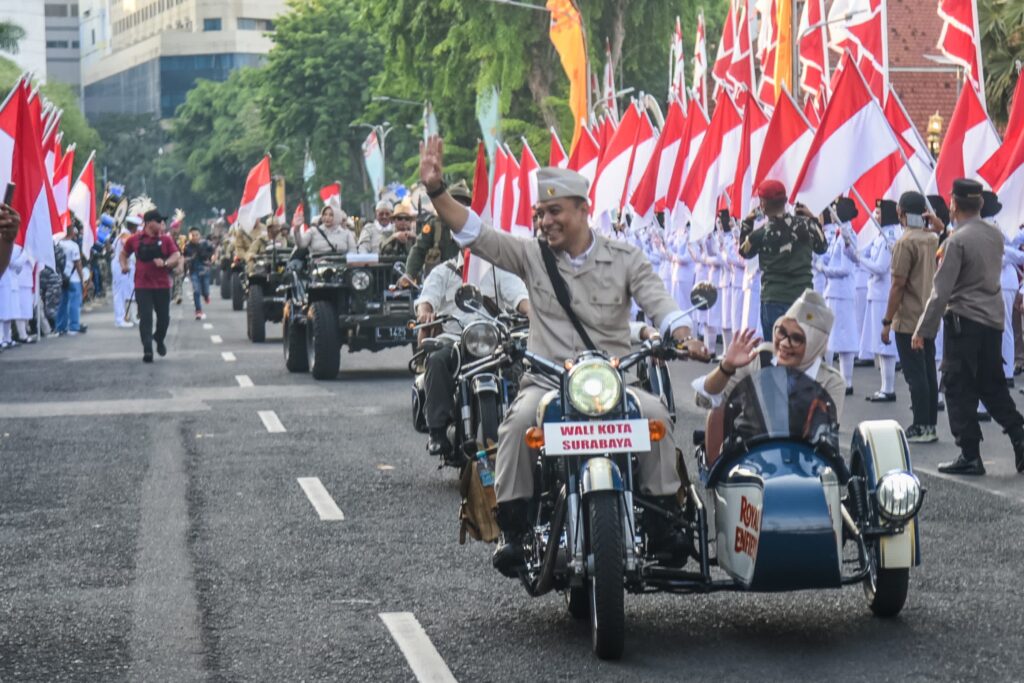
(431, 247)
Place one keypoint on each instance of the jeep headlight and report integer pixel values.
(360, 280)
(899, 496)
(481, 338)
(324, 273)
(594, 387)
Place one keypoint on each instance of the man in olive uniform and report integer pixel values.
(400, 242)
(421, 262)
(602, 277)
(967, 297)
(274, 236)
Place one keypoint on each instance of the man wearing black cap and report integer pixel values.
(156, 255)
(966, 295)
(913, 268)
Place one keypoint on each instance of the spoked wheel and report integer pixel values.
(884, 589)
(323, 348)
(295, 358)
(607, 608)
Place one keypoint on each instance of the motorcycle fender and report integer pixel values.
(884, 448)
(600, 474)
(485, 384)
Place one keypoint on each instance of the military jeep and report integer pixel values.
(264, 300)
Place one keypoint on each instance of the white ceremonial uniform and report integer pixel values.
(9, 291)
(726, 242)
(713, 261)
(839, 267)
(817, 276)
(860, 277)
(26, 285)
(123, 284)
(683, 268)
(737, 264)
(877, 263)
(1009, 282)
(700, 274)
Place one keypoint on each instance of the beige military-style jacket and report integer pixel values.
(602, 290)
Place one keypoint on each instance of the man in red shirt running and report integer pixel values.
(156, 255)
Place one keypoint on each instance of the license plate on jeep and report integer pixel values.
(390, 333)
(587, 438)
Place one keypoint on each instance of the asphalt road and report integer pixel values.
(153, 527)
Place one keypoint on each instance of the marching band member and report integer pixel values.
(877, 262)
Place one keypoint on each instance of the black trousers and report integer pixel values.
(972, 369)
(439, 387)
(919, 371)
(152, 301)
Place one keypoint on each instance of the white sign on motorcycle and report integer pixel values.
(584, 438)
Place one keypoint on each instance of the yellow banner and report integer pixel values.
(566, 34)
(784, 48)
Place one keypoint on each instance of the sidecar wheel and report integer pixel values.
(886, 590)
(607, 608)
(577, 599)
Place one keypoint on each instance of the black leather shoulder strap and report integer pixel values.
(562, 293)
(326, 239)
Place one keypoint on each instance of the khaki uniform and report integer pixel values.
(258, 245)
(320, 240)
(602, 289)
(371, 237)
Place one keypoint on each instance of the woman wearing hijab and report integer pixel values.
(799, 340)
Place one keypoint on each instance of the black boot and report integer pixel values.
(666, 538)
(513, 520)
(438, 444)
(968, 462)
(1016, 435)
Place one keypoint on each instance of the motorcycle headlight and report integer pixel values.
(899, 496)
(360, 280)
(481, 338)
(594, 387)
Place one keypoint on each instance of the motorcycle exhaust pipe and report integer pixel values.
(545, 578)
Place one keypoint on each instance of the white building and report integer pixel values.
(29, 15)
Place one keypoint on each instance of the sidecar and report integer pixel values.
(790, 513)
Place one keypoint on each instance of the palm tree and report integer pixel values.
(10, 35)
(1002, 45)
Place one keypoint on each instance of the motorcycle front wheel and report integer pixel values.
(884, 589)
(607, 607)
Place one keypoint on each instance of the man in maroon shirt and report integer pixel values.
(156, 255)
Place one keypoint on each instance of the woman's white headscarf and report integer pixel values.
(815, 318)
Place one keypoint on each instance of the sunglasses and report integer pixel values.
(794, 338)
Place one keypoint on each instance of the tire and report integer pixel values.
(607, 608)
(323, 348)
(295, 358)
(419, 420)
(256, 322)
(884, 589)
(225, 283)
(487, 420)
(237, 292)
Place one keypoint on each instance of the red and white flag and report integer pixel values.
(1004, 170)
(498, 186)
(585, 156)
(557, 156)
(330, 195)
(713, 169)
(865, 34)
(694, 130)
(653, 186)
(755, 127)
(510, 203)
(741, 70)
(700, 63)
(767, 41)
(62, 185)
(33, 199)
(677, 66)
(646, 140)
(852, 138)
(256, 201)
(814, 75)
(786, 142)
(960, 40)
(528, 167)
(613, 169)
(723, 58)
(82, 202)
(473, 268)
(611, 105)
(970, 140)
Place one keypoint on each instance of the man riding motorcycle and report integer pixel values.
(586, 305)
(437, 300)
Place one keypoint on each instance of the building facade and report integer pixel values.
(63, 62)
(143, 56)
(31, 55)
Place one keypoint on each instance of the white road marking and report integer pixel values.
(423, 658)
(321, 500)
(243, 381)
(271, 421)
(215, 338)
(207, 326)
(385, 468)
(228, 356)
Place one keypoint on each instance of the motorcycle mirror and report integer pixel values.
(703, 295)
(468, 298)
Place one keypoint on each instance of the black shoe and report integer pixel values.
(1009, 383)
(1018, 455)
(147, 357)
(983, 416)
(510, 556)
(863, 363)
(82, 329)
(941, 407)
(849, 391)
(963, 466)
(667, 541)
(881, 397)
(161, 349)
(438, 445)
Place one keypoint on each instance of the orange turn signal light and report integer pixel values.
(657, 428)
(568, 363)
(614, 362)
(534, 438)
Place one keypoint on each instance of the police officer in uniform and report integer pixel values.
(423, 257)
(967, 296)
(603, 277)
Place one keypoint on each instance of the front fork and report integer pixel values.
(595, 475)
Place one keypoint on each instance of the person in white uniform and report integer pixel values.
(700, 274)
(713, 262)
(9, 298)
(123, 283)
(727, 293)
(877, 262)
(683, 267)
(860, 279)
(1009, 282)
(26, 298)
(839, 266)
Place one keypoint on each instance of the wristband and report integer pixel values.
(441, 189)
(725, 372)
(886, 322)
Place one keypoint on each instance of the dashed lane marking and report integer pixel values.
(271, 421)
(243, 381)
(228, 356)
(216, 339)
(207, 326)
(321, 500)
(423, 658)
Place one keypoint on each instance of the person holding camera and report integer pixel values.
(156, 256)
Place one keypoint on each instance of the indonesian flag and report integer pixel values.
(677, 68)
(653, 186)
(852, 138)
(811, 113)
(786, 142)
(891, 177)
(585, 157)
(960, 40)
(557, 156)
(700, 63)
(608, 83)
(498, 186)
(813, 49)
(8, 127)
(1004, 171)
(82, 202)
(714, 168)
(613, 171)
(256, 196)
(279, 213)
(741, 71)
(62, 185)
(605, 132)
(232, 218)
(33, 199)
(694, 130)
(473, 268)
(755, 127)
(767, 44)
(970, 140)
(528, 167)
(330, 195)
(865, 34)
(50, 146)
(510, 204)
(918, 155)
(723, 58)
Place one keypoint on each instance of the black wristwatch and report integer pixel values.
(725, 372)
(442, 188)
(886, 323)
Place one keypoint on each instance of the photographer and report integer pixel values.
(156, 256)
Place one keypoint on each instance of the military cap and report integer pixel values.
(967, 188)
(557, 183)
(991, 206)
(771, 190)
(846, 209)
(913, 202)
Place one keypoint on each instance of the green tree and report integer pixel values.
(10, 35)
(1002, 46)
